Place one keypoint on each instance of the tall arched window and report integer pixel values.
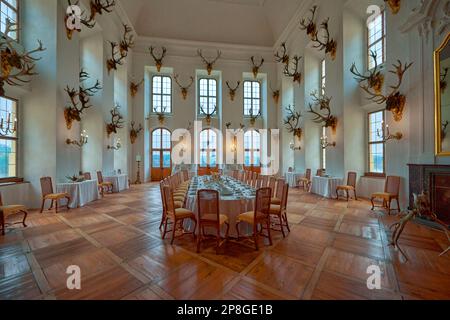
(161, 154)
(252, 149)
(208, 148)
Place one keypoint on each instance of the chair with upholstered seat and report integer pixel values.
(306, 181)
(209, 217)
(87, 176)
(320, 172)
(276, 199)
(175, 216)
(102, 185)
(280, 210)
(272, 185)
(7, 211)
(351, 186)
(259, 217)
(391, 192)
(48, 194)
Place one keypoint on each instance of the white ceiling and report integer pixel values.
(248, 22)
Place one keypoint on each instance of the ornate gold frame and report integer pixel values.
(437, 99)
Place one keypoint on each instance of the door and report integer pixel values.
(208, 152)
(161, 154)
(252, 151)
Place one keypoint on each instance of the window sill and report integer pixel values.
(11, 181)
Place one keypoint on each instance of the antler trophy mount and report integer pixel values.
(254, 117)
(232, 91)
(256, 66)
(275, 95)
(292, 122)
(117, 121)
(158, 59)
(184, 89)
(323, 104)
(134, 87)
(15, 63)
(282, 57)
(295, 74)
(374, 78)
(119, 51)
(80, 100)
(209, 63)
(309, 26)
(443, 80)
(208, 114)
(394, 5)
(134, 132)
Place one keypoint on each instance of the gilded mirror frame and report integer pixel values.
(437, 98)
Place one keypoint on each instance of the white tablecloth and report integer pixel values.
(120, 182)
(325, 187)
(292, 178)
(81, 193)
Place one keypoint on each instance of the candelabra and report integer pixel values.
(325, 144)
(8, 127)
(386, 135)
(293, 147)
(138, 179)
(116, 146)
(83, 140)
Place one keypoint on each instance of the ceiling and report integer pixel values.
(242, 22)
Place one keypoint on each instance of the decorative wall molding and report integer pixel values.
(421, 17)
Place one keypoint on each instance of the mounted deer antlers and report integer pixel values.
(127, 41)
(283, 57)
(256, 66)
(184, 89)
(232, 91)
(443, 81)
(209, 64)
(296, 75)
(120, 49)
(254, 117)
(158, 60)
(375, 79)
(275, 95)
(323, 103)
(310, 25)
(134, 132)
(395, 101)
(116, 121)
(394, 5)
(12, 60)
(209, 114)
(330, 46)
(74, 112)
(292, 122)
(134, 87)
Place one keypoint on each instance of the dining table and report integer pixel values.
(325, 186)
(292, 178)
(120, 182)
(81, 193)
(236, 197)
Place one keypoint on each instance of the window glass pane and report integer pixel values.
(156, 159)
(208, 96)
(8, 158)
(162, 94)
(166, 143)
(247, 158)
(156, 139)
(376, 40)
(8, 10)
(252, 98)
(166, 159)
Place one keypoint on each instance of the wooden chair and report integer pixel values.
(259, 217)
(391, 192)
(48, 194)
(276, 199)
(176, 216)
(102, 185)
(7, 211)
(87, 176)
(319, 172)
(265, 182)
(209, 217)
(254, 179)
(306, 181)
(272, 185)
(351, 185)
(280, 211)
(259, 182)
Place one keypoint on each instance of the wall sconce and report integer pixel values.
(293, 147)
(234, 145)
(325, 144)
(9, 127)
(83, 140)
(386, 134)
(117, 145)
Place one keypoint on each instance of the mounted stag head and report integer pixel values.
(209, 64)
(184, 89)
(254, 117)
(208, 114)
(228, 125)
(117, 122)
(158, 60)
(395, 101)
(256, 66)
(394, 5)
(232, 91)
(295, 74)
(114, 61)
(444, 130)
(134, 87)
(275, 95)
(323, 103)
(80, 100)
(15, 63)
(283, 57)
(98, 6)
(292, 122)
(443, 81)
(310, 26)
(375, 79)
(127, 41)
(329, 45)
(134, 132)
(161, 115)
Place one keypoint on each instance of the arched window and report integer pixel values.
(162, 94)
(252, 98)
(208, 148)
(161, 154)
(252, 148)
(208, 96)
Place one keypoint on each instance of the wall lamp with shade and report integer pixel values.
(8, 127)
(325, 144)
(386, 135)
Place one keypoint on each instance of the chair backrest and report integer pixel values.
(262, 204)
(161, 188)
(272, 183)
(265, 182)
(185, 175)
(280, 188)
(46, 186)
(308, 174)
(248, 177)
(99, 177)
(290, 169)
(208, 205)
(392, 185)
(351, 179)
(319, 172)
(259, 182)
(168, 200)
(254, 179)
(87, 176)
(284, 197)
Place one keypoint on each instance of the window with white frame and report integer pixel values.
(376, 40)
(8, 138)
(323, 76)
(208, 148)
(252, 98)
(161, 94)
(207, 96)
(376, 143)
(9, 9)
(252, 148)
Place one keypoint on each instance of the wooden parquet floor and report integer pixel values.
(117, 244)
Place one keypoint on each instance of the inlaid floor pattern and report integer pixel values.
(117, 244)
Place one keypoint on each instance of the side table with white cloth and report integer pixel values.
(81, 193)
(292, 178)
(120, 182)
(325, 186)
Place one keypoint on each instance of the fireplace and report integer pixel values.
(434, 179)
